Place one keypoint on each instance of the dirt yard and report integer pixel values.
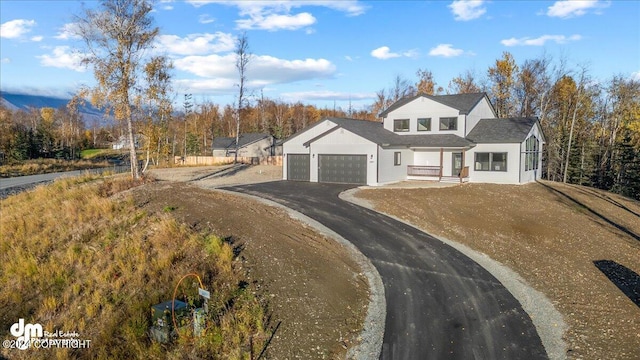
(313, 287)
(579, 246)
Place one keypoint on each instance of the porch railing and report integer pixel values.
(464, 173)
(421, 170)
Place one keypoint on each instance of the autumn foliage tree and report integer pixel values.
(116, 37)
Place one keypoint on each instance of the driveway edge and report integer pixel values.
(548, 321)
(372, 335)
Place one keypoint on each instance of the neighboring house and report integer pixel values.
(445, 137)
(249, 145)
(123, 142)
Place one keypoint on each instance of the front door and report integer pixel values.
(456, 163)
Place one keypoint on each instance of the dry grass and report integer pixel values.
(76, 258)
(43, 166)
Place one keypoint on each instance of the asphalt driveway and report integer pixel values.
(440, 304)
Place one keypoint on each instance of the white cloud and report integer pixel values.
(350, 7)
(465, 10)
(14, 29)
(5, 60)
(445, 50)
(325, 95)
(195, 44)
(573, 8)
(63, 57)
(540, 41)
(274, 22)
(277, 15)
(219, 71)
(384, 53)
(68, 31)
(37, 38)
(635, 76)
(205, 19)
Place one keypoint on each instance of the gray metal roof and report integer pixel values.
(223, 143)
(461, 102)
(507, 130)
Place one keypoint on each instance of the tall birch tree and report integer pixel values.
(116, 35)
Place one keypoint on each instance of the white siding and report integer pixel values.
(295, 144)
(387, 170)
(511, 176)
(422, 107)
(345, 142)
(426, 157)
(481, 111)
(531, 175)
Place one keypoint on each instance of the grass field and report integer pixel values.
(78, 255)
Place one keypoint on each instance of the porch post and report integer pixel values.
(462, 167)
(441, 157)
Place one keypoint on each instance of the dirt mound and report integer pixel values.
(311, 284)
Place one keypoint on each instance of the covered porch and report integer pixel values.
(442, 164)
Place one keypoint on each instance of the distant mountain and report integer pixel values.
(14, 101)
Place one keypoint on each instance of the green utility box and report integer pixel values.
(161, 313)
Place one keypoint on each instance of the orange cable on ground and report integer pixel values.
(173, 299)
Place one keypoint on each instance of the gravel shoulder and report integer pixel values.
(578, 246)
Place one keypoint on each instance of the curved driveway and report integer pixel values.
(440, 304)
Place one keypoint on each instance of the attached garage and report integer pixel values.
(298, 167)
(347, 169)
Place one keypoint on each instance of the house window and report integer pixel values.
(491, 161)
(397, 158)
(424, 124)
(532, 153)
(401, 125)
(449, 123)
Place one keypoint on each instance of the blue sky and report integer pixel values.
(319, 52)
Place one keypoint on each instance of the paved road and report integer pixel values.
(22, 182)
(440, 304)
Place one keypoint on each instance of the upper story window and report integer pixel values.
(401, 125)
(448, 123)
(424, 124)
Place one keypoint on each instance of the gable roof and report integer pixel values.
(507, 130)
(461, 102)
(244, 140)
(371, 130)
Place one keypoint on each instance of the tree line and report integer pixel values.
(591, 126)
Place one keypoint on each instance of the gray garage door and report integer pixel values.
(348, 169)
(298, 167)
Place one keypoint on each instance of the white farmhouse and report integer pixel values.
(441, 137)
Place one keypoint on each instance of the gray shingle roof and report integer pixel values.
(437, 141)
(462, 102)
(370, 130)
(222, 143)
(376, 133)
(507, 130)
